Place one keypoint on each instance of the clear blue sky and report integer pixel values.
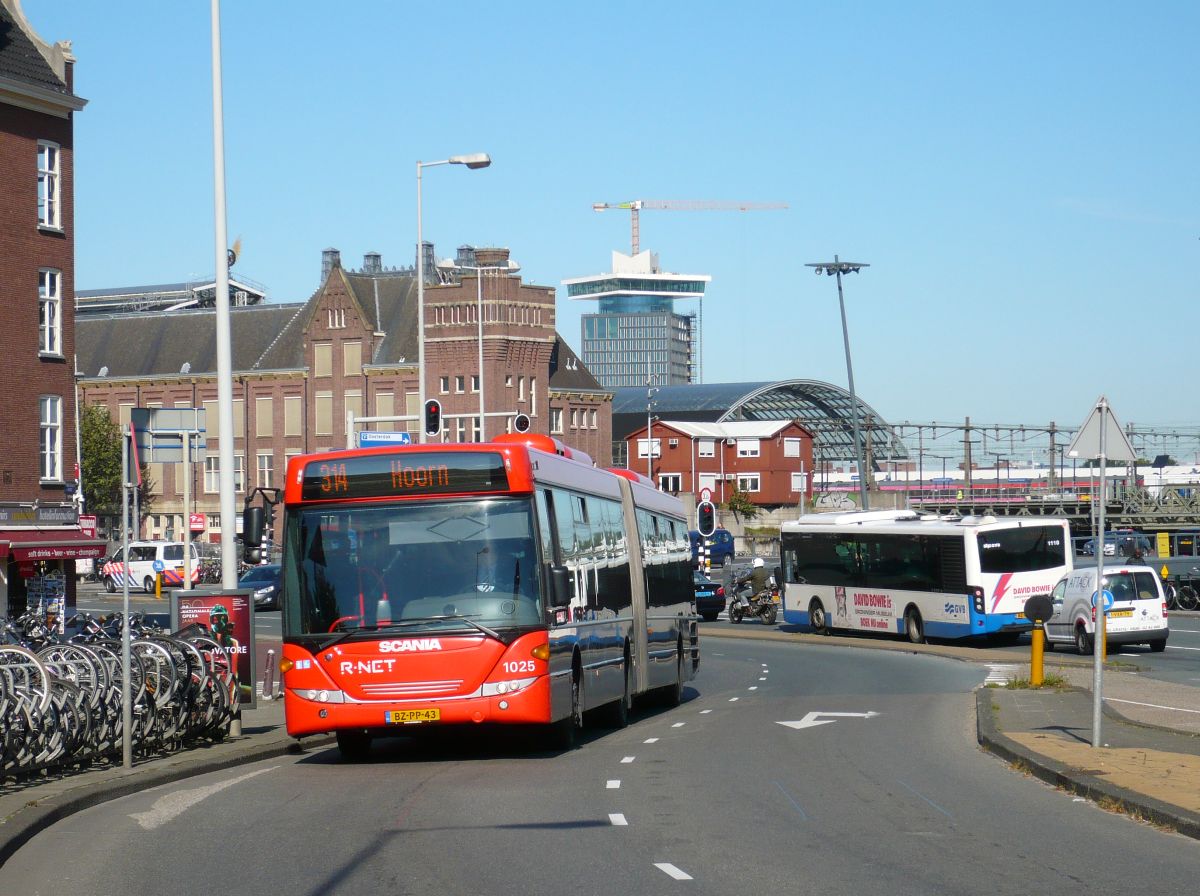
(1021, 177)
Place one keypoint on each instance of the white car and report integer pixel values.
(1138, 612)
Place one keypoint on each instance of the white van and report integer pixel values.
(142, 558)
(1138, 614)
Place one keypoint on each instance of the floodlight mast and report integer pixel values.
(837, 267)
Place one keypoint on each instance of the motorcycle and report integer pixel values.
(764, 605)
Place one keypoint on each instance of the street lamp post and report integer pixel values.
(836, 268)
(473, 160)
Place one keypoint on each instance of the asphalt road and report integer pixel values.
(717, 796)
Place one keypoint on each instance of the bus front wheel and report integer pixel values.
(354, 745)
(912, 626)
(817, 619)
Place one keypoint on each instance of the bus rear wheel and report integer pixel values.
(913, 627)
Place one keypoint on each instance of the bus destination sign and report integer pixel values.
(411, 473)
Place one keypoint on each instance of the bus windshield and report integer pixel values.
(470, 564)
(1024, 549)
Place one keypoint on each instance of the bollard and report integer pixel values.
(1036, 676)
(268, 685)
(158, 586)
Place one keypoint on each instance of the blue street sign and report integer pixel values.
(370, 439)
(1108, 600)
(159, 566)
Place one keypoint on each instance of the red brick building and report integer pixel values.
(301, 369)
(770, 460)
(39, 529)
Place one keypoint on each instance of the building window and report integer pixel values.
(520, 388)
(474, 382)
(476, 432)
(50, 461)
(706, 448)
(293, 411)
(351, 358)
(592, 418)
(385, 406)
(748, 482)
(461, 429)
(445, 385)
(556, 420)
(670, 482)
(239, 472)
(50, 312)
(799, 482)
(533, 396)
(324, 410)
(508, 381)
(49, 207)
(266, 469)
(337, 318)
(264, 421)
(747, 448)
(574, 418)
(322, 359)
(460, 384)
(212, 474)
(791, 447)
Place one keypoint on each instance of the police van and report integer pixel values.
(1138, 614)
(147, 559)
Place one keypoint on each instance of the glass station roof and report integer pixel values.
(823, 408)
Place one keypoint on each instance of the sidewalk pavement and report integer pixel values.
(1149, 766)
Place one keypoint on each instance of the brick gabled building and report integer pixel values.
(39, 529)
(299, 369)
(771, 461)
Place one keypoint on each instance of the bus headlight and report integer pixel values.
(499, 688)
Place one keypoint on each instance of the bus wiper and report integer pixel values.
(424, 619)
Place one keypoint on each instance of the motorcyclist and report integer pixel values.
(758, 578)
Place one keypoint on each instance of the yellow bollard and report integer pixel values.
(1036, 676)
(158, 586)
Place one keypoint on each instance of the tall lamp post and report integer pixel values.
(473, 160)
(836, 268)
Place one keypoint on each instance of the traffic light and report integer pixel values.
(706, 518)
(433, 417)
(252, 528)
(521, 423)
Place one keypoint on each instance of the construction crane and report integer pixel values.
(687, 205)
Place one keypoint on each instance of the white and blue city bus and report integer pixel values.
(898, 572)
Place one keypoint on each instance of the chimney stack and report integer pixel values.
(330, 259)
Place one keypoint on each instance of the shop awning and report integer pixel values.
(50, 544)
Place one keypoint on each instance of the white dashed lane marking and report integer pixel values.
(613, 784)
(618, 819)
(670, 869)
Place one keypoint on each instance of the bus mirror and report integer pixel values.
(779, 576)
(560, 586)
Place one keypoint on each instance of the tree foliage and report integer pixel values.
(740, 505)
(100, 464)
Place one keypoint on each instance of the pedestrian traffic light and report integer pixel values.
(706, 518)
(433, 417)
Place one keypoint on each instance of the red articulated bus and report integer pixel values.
(508, 582)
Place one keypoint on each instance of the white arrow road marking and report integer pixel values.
(812, 721)
(166, 808)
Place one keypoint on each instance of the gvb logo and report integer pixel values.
(952, 609)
